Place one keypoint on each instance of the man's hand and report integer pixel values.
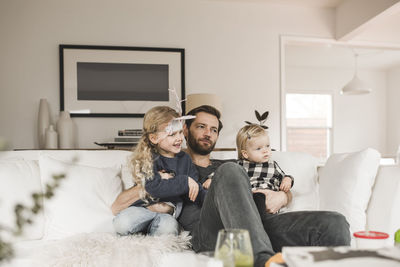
(207, 183)
(125, 199)
(274, 201)
(165, 175)
(286, 184)
(161, 207)
(193, 189)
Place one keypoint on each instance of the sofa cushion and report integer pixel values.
(82, 202)
(95, 158)
(345, 184)
(384, 206)
(20, 178)
(303, 168)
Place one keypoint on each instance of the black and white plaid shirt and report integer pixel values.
(267, 175)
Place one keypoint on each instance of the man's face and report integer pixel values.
(203, 133)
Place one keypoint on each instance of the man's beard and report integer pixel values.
(197, 148)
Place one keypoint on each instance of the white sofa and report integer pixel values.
(75, 226)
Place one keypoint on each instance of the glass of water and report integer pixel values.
(234, 248)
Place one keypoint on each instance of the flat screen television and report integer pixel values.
(122, 81)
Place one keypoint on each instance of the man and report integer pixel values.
(229, 202)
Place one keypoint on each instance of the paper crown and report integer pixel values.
(261, 119)
(176, 124)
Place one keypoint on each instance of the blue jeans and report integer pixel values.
(138, 219)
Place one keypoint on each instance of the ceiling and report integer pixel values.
(335, 56)
(380, 33)
(383, 30)
(303, 3)
(308, 3)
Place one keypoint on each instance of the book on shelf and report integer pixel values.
(130, 132)
(341, 257)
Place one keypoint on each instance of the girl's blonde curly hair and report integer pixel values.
(142, 158)
(245, 134)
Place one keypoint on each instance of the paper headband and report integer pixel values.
(176, 124)
(261, 119)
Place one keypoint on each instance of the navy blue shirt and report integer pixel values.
(175, 189)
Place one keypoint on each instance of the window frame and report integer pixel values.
(330, 129)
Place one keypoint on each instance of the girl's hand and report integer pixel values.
(286, 184)
(193, 189)
(207, 183)
(165, 175)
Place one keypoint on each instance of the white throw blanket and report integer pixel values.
(104, 249)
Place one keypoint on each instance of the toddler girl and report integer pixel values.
(254, 155)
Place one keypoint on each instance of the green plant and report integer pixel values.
(25, 215)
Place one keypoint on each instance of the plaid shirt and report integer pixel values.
(267, 175)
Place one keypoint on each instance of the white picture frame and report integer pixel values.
(70, 55)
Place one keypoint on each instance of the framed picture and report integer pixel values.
(119, 81)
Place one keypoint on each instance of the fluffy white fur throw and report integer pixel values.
(104, 249)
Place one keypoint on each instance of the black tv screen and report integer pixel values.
(122, 81)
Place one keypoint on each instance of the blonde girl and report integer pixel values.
(164, 174)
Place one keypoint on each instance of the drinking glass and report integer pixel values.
(234, 248)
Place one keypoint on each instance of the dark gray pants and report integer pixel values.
(229, 204)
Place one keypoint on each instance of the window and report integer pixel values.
(309, 123)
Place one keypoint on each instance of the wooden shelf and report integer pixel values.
(115, 147)
(24, 149)
(224, 149)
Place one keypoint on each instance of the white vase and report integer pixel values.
(65, 129)
(51, 138)
(43, 121)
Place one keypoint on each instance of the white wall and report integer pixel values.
(393, 118)
(360, 120)
(232, 49)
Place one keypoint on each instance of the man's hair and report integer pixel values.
(245, 134)
(207, 109)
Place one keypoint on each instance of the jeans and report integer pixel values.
(303, 228)
(138, 219)
(229, 204)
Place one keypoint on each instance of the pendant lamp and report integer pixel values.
(355, 86)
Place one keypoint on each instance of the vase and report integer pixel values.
(51, 138)
(43, 121)
(65, 129)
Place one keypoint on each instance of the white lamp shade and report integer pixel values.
(355, 87)
(197, 100)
